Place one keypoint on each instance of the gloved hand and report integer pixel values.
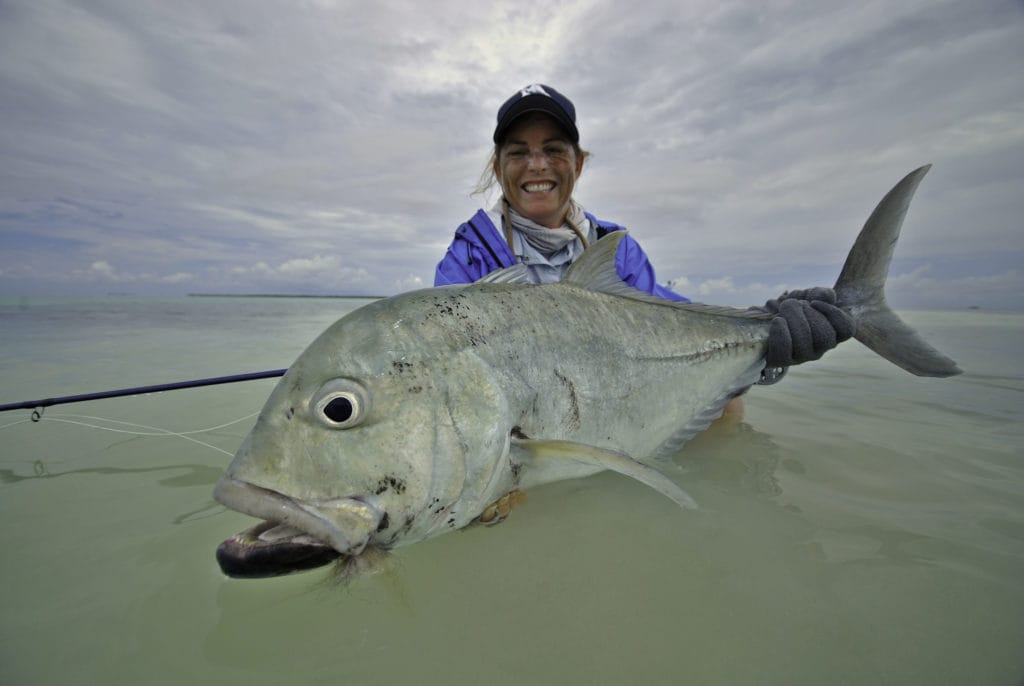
(807, 324)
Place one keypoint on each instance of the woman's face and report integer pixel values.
(537, 167)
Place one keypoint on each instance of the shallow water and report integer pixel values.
(859, 526)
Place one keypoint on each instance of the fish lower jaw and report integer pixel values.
(267, 550)
(344, 524)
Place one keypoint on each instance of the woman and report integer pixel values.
(536, 161)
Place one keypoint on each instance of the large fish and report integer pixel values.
(415, 414)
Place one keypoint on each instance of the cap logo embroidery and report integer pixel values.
(535, 89)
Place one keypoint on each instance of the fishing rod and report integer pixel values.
(37, 405)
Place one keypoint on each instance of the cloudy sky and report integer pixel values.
(250, 146)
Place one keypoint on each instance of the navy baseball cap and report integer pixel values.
(537, 98)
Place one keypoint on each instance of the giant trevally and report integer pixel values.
(416, 414)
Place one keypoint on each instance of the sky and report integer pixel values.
(332, 147)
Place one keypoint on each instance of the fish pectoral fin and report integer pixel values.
(557, 456)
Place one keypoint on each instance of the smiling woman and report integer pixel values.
(538, 171)
(536, 161)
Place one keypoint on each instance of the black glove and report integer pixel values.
(807, 324)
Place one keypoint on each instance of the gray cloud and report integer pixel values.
(331, 146)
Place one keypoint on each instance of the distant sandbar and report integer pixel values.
(280, 295)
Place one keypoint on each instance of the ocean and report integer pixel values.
(859, 525)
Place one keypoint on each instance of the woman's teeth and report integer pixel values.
(538, 187)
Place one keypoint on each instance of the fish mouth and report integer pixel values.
(268, 550)
(295, 535)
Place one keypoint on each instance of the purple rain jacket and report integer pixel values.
(478, 249)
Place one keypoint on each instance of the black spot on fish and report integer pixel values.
(390, 482)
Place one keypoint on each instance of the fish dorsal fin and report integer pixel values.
(518, 273)
(595, 269)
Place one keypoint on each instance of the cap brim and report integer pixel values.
(536, 103)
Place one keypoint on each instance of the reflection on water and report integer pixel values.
(869, 544)
(194, 474)
(736, 457)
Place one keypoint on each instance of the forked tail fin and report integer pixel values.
(860, 289)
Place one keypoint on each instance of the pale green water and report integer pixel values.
(862, 526)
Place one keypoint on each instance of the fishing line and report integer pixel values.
(158, 431)
(39, 406)
(151, 430)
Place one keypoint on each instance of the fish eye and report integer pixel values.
(341, 404)
(339, 409)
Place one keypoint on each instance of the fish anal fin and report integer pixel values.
(703, 419)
